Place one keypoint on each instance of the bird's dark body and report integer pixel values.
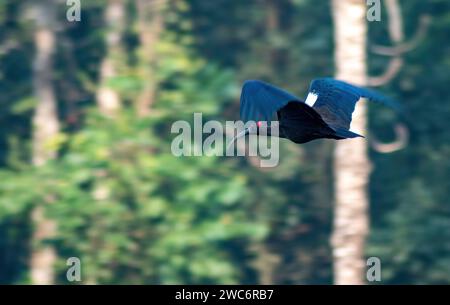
(300, 124)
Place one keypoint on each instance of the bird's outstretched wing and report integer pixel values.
(260, 100)
(335, 101)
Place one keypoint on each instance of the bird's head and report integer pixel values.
(252, 129)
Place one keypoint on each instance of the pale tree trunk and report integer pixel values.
(150, 25)
(45, 127)
(351, 164)
(108, 99)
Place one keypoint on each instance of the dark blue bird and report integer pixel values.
(326, 112)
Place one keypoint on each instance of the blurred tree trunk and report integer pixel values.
(351, 165)
(268, 260)
(150, 25)
(45, 128)
(107, 98)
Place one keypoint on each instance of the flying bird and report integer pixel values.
(325, 113)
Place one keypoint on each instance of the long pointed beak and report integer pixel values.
(243, 133)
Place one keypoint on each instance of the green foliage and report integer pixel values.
(134, 213)
(126, 206)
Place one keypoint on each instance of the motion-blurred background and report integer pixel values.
(85, 163)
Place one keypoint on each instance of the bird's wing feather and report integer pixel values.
(260, 100)
(335, 100)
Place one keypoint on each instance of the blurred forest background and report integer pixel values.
(85, 162)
